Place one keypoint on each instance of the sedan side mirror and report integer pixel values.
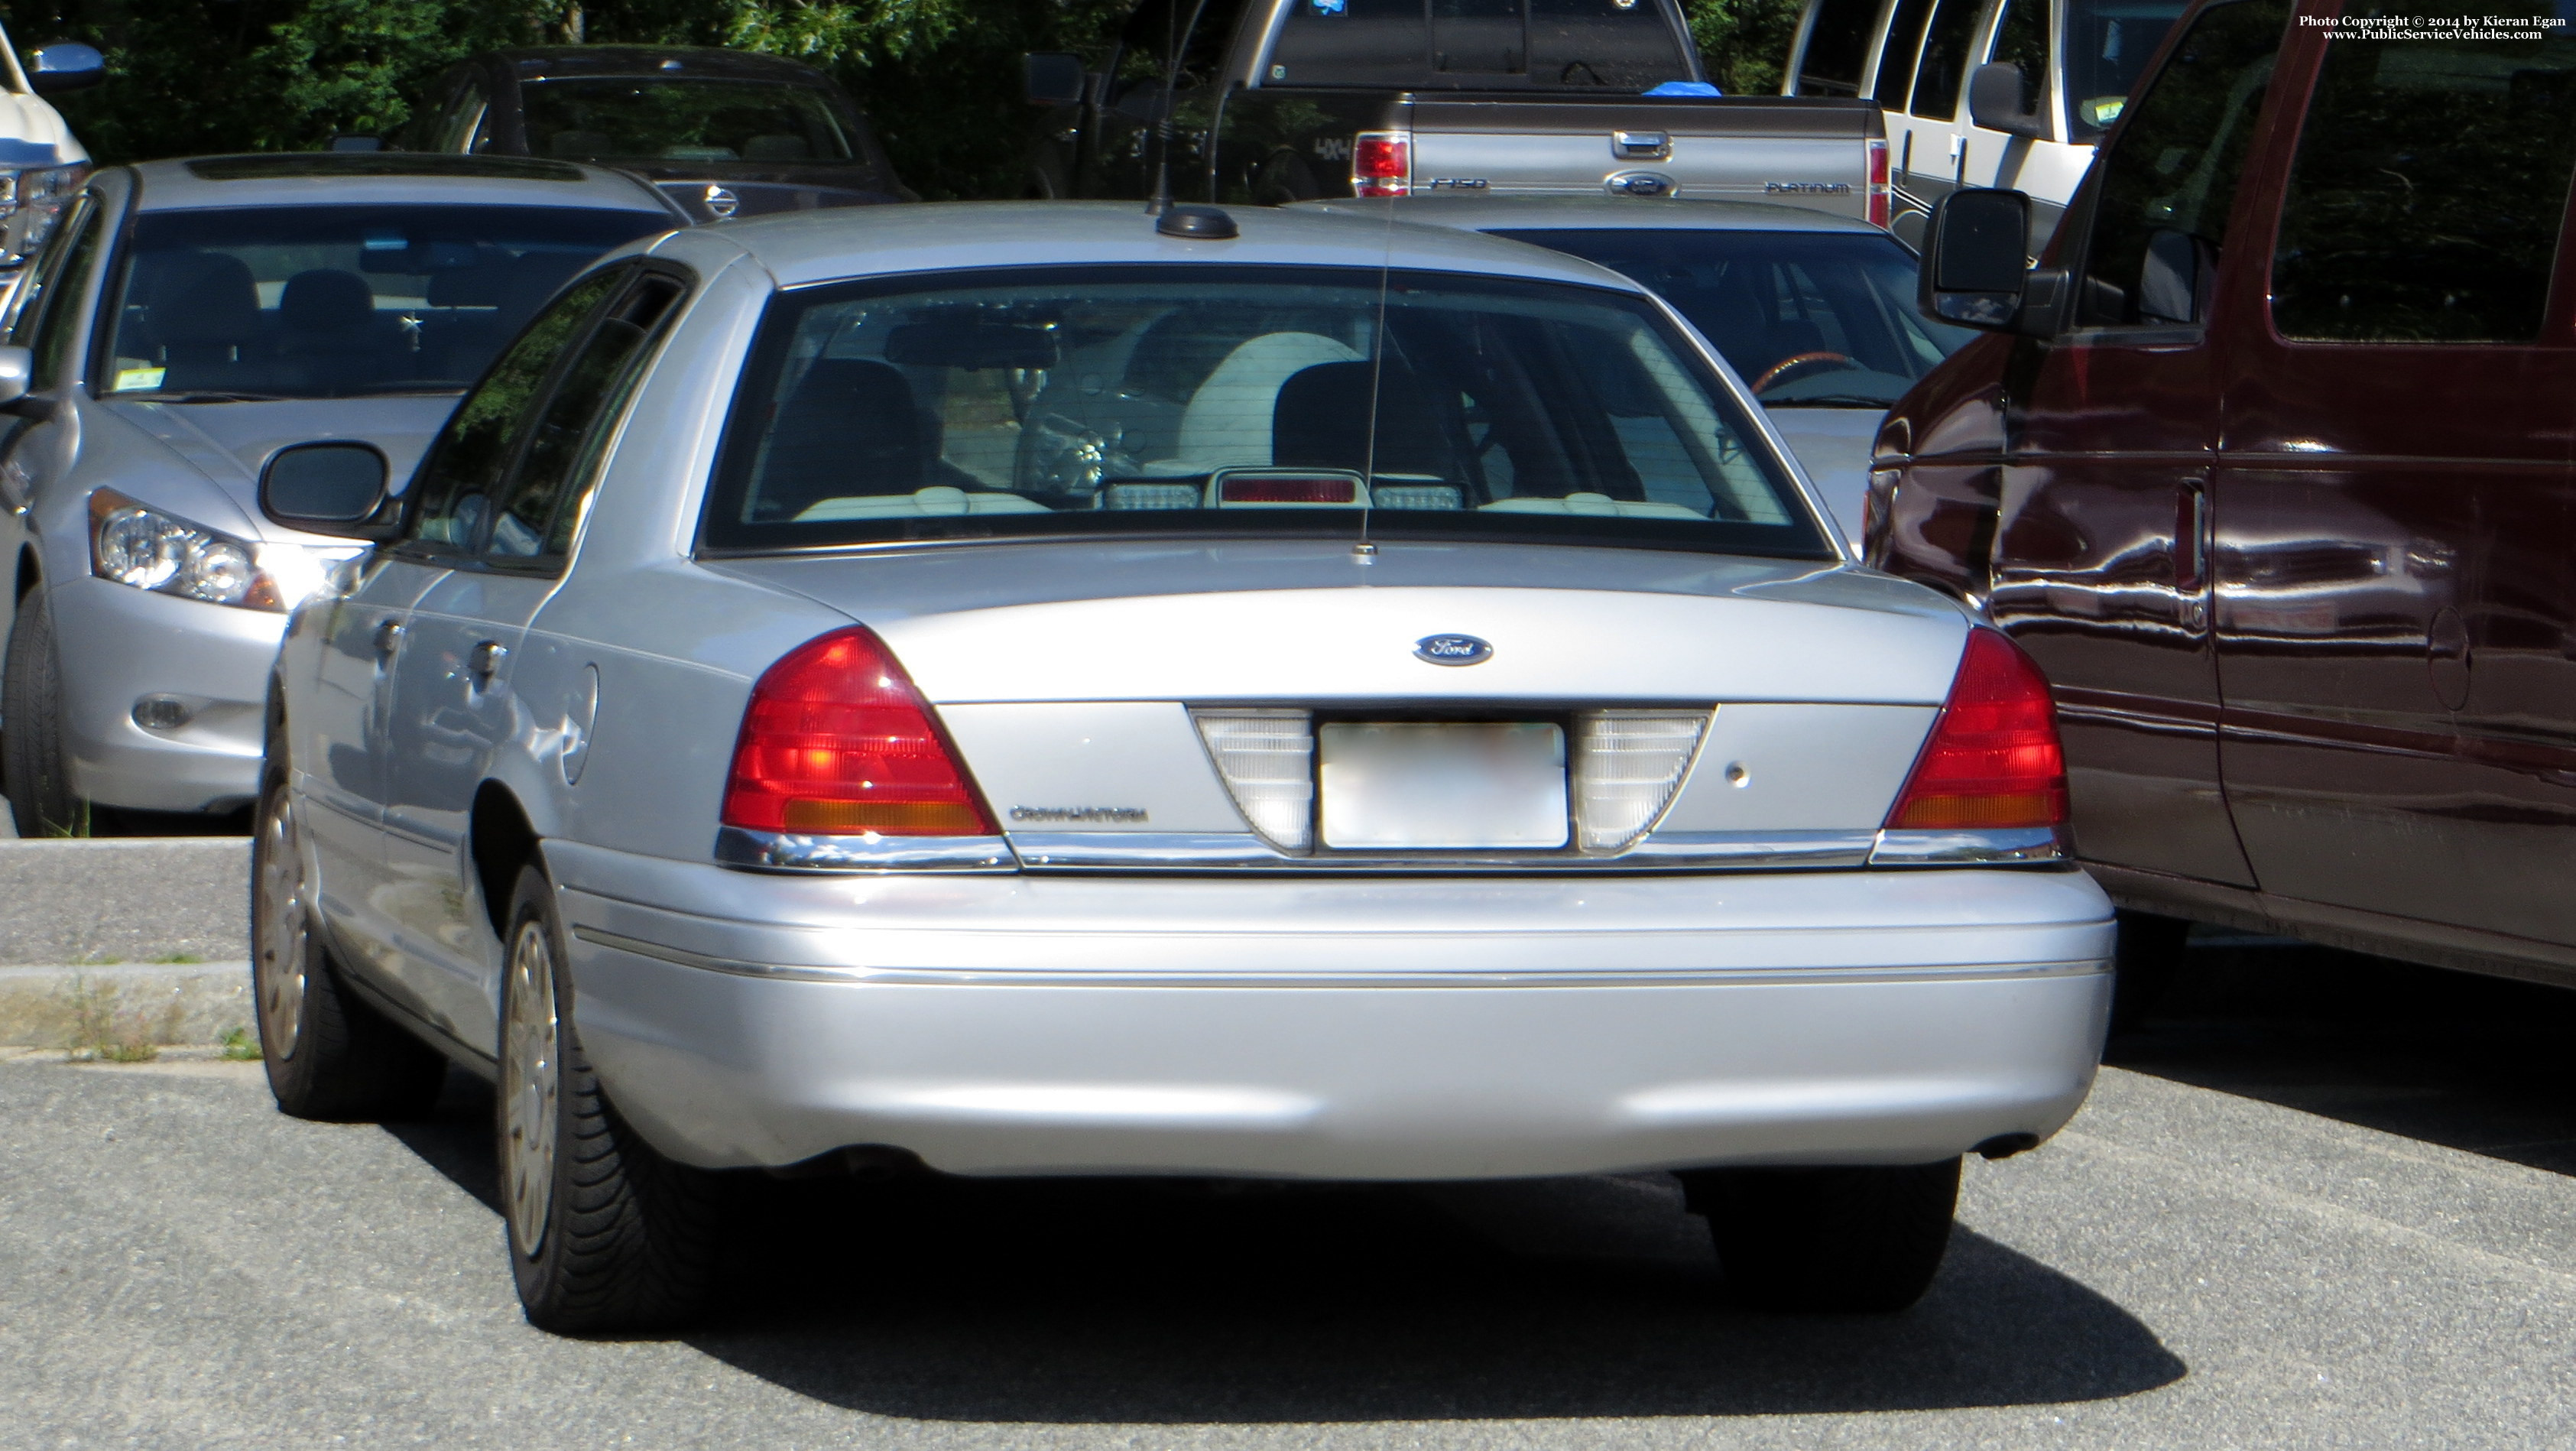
(17, 370)
(65, 65)
(331, 488)
(1051, 79)
(1997, 97)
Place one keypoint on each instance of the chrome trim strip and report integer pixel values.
(788, 852)
(1967, 848)
(1042, 977)
(1154, 851)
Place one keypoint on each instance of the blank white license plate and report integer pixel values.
(1409, 784)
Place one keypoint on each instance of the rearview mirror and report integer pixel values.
(65, 65)
(1999, 100)
(1051, 79)
(330, 488)
(1973, 271)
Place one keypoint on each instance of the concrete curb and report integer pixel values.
(128, 900)
(195, 1002)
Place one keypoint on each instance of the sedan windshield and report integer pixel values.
(331, 302)
(681, 120)
(1240, 400)
(1822, 319)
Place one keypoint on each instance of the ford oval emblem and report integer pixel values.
(1452, 650)
(1640, 183)
(723, 201)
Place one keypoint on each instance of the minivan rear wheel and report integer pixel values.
(1864, 1239)
(605, 1234)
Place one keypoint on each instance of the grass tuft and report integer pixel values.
(176, 959)
(239, 1046)
(102, 1033)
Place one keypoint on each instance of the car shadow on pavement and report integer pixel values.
(1169, 1301)
(2450, 1058)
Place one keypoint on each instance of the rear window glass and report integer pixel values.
(1223, 400)
(1818, 319)
(330, 302)
(592, 119)
(1511, 44)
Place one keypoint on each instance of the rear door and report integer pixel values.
(2394, 504)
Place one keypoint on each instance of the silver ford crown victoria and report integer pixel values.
(1042, 689)
(190, 319)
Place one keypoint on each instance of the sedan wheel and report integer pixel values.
(283, 952)
(529, 1088)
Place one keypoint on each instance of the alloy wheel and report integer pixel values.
(284, 952)
(530, 1082)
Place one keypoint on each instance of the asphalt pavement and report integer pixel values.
(2326, 1203)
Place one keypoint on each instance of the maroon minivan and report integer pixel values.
(2271, 464)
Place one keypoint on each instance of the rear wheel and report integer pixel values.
(32, 766)
(605, 1234)
(1860, 1239)
(329, 1055)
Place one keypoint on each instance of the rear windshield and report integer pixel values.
(623, 119)
(1622, 45)
(1239, 400)
(1813, 319)
(332, 302)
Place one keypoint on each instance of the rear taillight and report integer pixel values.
(1382, 163)
(837, 742)
(1878, 182)
(1993, 762)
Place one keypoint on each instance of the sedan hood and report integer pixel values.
(1311, 620)
(231, 442)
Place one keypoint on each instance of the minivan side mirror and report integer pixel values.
(330, 488)
(65, 65)
(1052, 79)
(1995, 101)
(1974, 272)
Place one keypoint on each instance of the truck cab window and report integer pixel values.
(1602, 43)
(1837, 48)
(2159, 209)
(2425, 202)
(1349, 42)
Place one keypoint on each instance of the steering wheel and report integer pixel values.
(1771, 375)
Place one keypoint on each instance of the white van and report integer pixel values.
(41, 164)
(1955, 116)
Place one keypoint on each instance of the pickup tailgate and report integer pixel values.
(1803, 151)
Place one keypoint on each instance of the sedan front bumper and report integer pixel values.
(1356, 1028)
(117, 645)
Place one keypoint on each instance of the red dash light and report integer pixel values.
(1275, 489)
(1382, 163)
(837, 742)
(1878, 182)
(1993, 761)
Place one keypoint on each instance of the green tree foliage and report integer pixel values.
(939, 77)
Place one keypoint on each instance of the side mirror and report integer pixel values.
(17, 370)
(330, 488)
(1973, 272)
(1997, 101)
(65, 65)
(1052, 79)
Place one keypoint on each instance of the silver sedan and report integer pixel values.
(1040, 689)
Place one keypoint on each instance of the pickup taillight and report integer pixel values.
(1878, 181)
(1382, 163)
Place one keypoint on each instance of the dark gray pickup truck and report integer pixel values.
(1279, 101)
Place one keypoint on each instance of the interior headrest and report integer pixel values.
(851, 427)
(1322, 421)
(326, 299)
(203, 297)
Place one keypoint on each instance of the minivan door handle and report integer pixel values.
(486, 658)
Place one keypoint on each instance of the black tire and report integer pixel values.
(625, 1239)
(330, 1056)
(2143, 965)
(1834, 1240)
(32, 766)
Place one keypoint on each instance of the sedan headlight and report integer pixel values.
(31, 201)
(148, 549)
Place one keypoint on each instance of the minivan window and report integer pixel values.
(2108, 42)
(2021, 39)
(1837, 48)
(1945, 59)
(2159, 211)
(2425, 202)
(1219, 400)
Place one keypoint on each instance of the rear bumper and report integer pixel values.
(1344, 1029)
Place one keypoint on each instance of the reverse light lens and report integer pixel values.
(1627, 764)
(837, 742)
(147, 549)
(1382, 163)
(1267, 758)
(1993, 762)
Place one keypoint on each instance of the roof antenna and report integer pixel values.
(1174, 42)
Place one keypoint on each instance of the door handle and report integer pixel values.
(485, 659)
(389, 635)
